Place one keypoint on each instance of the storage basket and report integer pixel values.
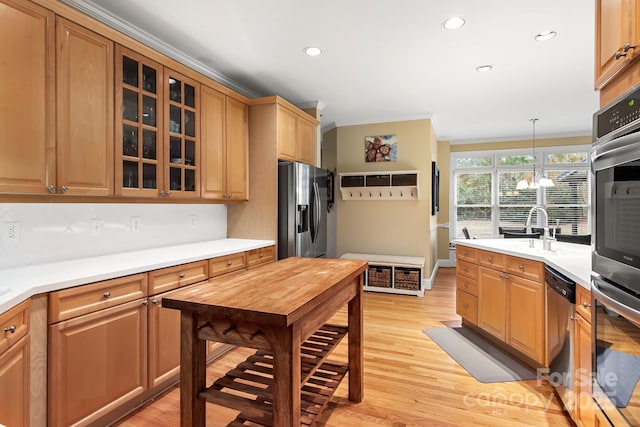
(407, 278)
(379, 276)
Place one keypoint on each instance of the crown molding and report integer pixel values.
(153, 42)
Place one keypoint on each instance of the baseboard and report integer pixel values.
(444, 263)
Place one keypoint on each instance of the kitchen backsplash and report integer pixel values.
(40, 233)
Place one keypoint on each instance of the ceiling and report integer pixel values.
(387, 60)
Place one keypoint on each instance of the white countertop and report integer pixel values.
(18, 284)
(570, 259)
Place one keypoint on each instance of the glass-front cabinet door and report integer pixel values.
(182, 170)
(139, 124)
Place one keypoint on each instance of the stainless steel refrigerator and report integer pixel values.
(302, 210)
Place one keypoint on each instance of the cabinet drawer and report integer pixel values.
(73, 302)
(466, 253)
(467, 306)
(258, 256)
(226, 264)
(14, 324)
(529, 269)
(170, 278)
(492, 259)
(466, 284)
(467, 269)
(583, 302)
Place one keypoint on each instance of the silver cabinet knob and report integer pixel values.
(51, 188)
(106, 294)
(490, 259)
(229, 263)
(64, 188)
(181, 275)
(145, 302)
(586, 305)
(154, 301)
(521, 267)
(11, 329)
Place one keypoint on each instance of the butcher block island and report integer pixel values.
(280, 309)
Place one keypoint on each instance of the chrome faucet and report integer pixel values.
(546, 237)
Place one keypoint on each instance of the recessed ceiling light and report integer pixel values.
(484, 68)
(545, 35)
(312, 50)
(453, 23)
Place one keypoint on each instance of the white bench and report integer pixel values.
(392, 274)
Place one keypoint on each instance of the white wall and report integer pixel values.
(54, 232)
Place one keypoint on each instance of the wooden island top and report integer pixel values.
(280, 309)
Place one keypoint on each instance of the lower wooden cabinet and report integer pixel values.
(492, 302)
(504, 296)
(14, 384)
(97, 362)
(586, 412)
(260, 256)
(525, 317)
(164, 341)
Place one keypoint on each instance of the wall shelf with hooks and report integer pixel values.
(396, 185)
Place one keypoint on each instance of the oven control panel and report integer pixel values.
(623, 112)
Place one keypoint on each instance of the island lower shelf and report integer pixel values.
(248, 387)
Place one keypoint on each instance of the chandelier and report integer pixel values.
(535, 180)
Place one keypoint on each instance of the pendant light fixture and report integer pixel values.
(537, 179)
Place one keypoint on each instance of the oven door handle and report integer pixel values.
(604, 292)
(615, 152)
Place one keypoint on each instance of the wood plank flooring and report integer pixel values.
(408, 379)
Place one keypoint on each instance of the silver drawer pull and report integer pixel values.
(586, 305)
(466, 253)
(229, 263)
(466, 285)
(466, 306)
(261, 255)
(521, 267)
(154, 301)
(181, 275)
(11, 329)
(490, 259)
(106, 294)
(464, 269)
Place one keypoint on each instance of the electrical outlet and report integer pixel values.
(96, 226)
(12, 232)
(135, 224)
(192, 221)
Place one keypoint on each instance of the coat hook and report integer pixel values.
(370, 194)
(361, 194)
(401, 194)
(381, 194)
(350, 194)
(390, 193)
(255, 334)
(412, 194)
(229, 329)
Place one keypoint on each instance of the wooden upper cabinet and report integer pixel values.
(84, 111)
(182, 135)
(306, 141)
(27, 122)
(286, 134)
(237, 125)
(617, 35)
(139, 98)
(296, 135)
(225, 146)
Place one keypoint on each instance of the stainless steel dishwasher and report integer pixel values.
(561, 308)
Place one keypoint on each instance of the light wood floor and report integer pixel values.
(408, 379)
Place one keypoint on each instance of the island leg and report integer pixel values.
(192, 372)
(286, 377)
(355, 344)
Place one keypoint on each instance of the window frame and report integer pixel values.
(541, 164)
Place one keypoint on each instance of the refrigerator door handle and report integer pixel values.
(312, 222)
(318, 211)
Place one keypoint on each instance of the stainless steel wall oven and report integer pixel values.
(615, 282)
